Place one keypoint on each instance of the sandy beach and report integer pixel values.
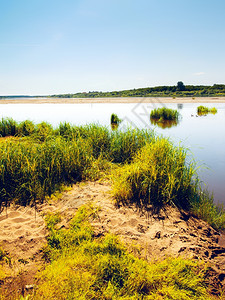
(114, 100)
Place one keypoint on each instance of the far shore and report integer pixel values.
(44, 100)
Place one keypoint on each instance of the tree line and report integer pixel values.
(179, 90)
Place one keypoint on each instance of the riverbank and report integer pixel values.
(114, 100)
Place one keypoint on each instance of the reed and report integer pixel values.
(164, 114)
(29, 170)
(125, 144)
(115, 120)
(203, 206)
(8, 127)
(150, 170)
(156, 176)
(203, 110)
(26, 128)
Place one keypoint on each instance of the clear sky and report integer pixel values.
(67, 46)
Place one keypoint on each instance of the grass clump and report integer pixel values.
(125, 144)
(26, 128)
(203, 206)
(29, 171)
(115, 119)
(159, 175)
(156, 176)
(85, 267)
(8, 127)
(203, 110)
(36, 165)
(164, 114)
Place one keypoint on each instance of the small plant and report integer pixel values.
(115, 120)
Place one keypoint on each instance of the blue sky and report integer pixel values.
(67, 46)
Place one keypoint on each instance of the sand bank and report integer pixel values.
(114, 100)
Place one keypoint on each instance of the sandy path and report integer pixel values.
(115, 100)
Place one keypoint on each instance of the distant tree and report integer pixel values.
(180, 86)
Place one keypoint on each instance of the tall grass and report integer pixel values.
(116, 146)
(26, 128)
(152, 171)
(164, 114)
(125, 144)
(203, 206)
(115, 120)
(36, 165)
(8, 127)
(84, 267)
(31, 170)
(157, 175)
(203, 110)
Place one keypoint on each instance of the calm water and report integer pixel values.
(204, 136)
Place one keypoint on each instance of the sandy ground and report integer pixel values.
(115, 100)
(152, 236)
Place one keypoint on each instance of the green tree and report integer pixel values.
(180, 86)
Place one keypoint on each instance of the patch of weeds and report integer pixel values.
(102, 268)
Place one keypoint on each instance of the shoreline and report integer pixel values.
(113, 100)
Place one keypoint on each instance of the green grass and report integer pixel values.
(156, 176)
(29, 170)
(203, 110)
(164, 114)
(34, 166)
(150, 171)
(115, 121)
(8, 127)
(147, 171)
(203, 206)
(85, 267)
(159, 175)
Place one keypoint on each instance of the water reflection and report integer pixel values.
(203, 114)
(164, 124)
(180, 105)
(114, 126)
